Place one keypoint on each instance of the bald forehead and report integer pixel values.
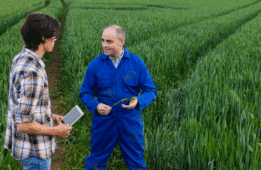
(109, 32)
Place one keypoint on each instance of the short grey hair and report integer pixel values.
(119, 30)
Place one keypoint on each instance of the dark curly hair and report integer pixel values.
(36, 26)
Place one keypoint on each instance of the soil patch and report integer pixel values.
(53, 70)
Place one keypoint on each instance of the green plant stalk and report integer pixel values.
(125, 99)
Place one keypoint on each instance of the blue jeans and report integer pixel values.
(34, 163)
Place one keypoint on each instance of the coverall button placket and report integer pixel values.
(113, 80)
(116, 79)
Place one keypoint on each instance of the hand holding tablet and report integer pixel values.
(71, 117)
(64, 128)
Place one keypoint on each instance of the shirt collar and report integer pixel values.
(119, 58)
(34, 55)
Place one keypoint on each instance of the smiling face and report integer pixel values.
(111, 44)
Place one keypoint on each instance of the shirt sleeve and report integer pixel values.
(149, 91)
(87, 90)
(30, 85)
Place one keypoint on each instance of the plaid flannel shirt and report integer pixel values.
(28, 101)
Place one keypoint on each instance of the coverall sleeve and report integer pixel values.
(149, 91)
(87, 90)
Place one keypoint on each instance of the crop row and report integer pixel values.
(219, 126)
(13, 11)
(177, 52)
(170, 58)
(11, 43)
(146, 20)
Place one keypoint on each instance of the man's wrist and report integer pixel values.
(45, 130)
(137, 106)
(54, 131)
(96, 112)
(35, 128)
(96, 109)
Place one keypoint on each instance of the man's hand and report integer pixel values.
(35, 128)
(63, 130)
(57, 118)
(103, 109)
(132, 104)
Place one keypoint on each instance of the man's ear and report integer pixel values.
(43, 39)
(122, 41)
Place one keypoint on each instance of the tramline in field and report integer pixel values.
(220, 125)
(204, 59)
(170, 56)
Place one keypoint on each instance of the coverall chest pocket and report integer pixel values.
(103, 87)
(132, 85)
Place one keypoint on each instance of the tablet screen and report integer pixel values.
(72, 116)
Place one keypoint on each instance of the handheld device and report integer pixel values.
(71, 117)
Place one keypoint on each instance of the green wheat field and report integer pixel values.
(203, 55)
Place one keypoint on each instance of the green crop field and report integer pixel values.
(204, 57)
(11, 11)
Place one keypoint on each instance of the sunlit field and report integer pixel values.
(204, 58)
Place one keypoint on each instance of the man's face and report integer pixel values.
(49, 44)
(110, 42)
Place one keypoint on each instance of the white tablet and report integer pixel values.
(71, 117)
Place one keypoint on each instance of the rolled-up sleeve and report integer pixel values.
(149, 91)
(87, 90)
(30, 85)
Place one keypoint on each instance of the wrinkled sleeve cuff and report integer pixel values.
(146, 99)
(142, 104)
(138, 106)
(93, 109)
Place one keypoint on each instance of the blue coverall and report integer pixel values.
(110, 85)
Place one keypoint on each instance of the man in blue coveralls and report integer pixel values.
(112, 76)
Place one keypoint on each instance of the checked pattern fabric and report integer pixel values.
(28, 101)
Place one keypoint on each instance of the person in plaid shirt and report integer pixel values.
(30, 132)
